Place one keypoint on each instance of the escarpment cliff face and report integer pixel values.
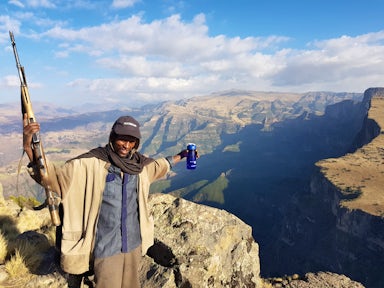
(359, 175)
(347, 241)
(350, 190)
(371, 127)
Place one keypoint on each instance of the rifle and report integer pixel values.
(52, 201)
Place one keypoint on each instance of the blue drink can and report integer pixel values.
(191, 158)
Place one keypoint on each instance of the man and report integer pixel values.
(104, 194)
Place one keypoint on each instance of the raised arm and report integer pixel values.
(29, 129)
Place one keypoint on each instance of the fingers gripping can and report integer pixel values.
(191, 158)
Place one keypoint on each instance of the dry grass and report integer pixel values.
(360, 176)
(21, 255)
(18, 272)
(3, 248)
(16, 266)
(29, 251)
(266, 284)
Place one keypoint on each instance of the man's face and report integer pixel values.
(123, 145)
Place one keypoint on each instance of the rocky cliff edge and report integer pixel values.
(360, 175)
(196, 246)
(350, 189)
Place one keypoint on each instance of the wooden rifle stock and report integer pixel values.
(52, 201)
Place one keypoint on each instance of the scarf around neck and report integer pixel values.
(133, 164)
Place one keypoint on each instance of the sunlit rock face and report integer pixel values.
(199, 246)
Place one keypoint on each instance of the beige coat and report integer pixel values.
(81, 183)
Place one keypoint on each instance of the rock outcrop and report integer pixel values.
(198, 246)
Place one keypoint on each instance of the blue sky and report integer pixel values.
(134, 52)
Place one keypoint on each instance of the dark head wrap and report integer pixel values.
(135, 162)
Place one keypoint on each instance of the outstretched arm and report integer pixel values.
(178, 157)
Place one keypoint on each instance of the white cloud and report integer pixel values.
(40, 3)
(176, 57)
(345, 61)
(10, 81)
(8, 24)
(13, 81)
(123, 3)
(141, 90)
(141, 66)
(169, 37)
(52, 4)
(171, 52)
(16, 3)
